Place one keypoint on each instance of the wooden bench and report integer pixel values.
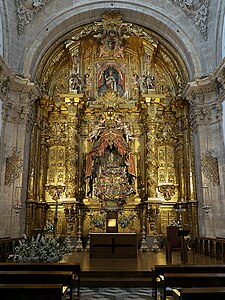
(42, 267)
(220, 248)
(31, 291)
(212, 247)
(7, 246)
(162, 269)
(206, 293)
(38, 277)
(192, 280)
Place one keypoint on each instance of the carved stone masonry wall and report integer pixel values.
(205, 97)
(17, 96)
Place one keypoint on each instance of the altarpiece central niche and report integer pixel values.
(110, 166)
(113, 132)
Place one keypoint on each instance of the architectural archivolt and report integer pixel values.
(46, 38)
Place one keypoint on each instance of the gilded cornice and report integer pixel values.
(198, 10)
(26, 12)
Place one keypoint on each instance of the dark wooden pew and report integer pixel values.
(42, 267)
(162, 269)
(206, 293)
(31, 291)
(38, 277)
(7, 246)
(213, 247)
(192, 280)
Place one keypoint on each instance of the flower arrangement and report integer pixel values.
(49, 227)
(98, 221)
(40, 249)
(124, 221)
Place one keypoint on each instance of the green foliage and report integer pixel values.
(40, 249)
(49, 227)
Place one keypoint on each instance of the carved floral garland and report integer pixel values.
(210, 168)
(198, 10)
(26, 11)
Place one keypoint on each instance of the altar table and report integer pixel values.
(113, 245)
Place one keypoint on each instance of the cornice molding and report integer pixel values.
(212, 83)
(204, 108)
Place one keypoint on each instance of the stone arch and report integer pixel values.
(143, 15)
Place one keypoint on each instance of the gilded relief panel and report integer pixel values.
(166, 164)
(56, 170)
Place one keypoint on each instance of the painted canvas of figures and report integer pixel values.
(111, 79)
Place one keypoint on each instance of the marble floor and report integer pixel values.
(143, 262)
(114, 293)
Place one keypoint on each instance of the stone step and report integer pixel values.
(116, 282)
(116, 274)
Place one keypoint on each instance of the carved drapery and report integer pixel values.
(110, 165)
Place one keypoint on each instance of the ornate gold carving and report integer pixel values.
(112, 46)
(210, 167)
(168, 190)
(110, 163)
(166, 164)
(56, 171)
(70, 215)
(114, 64)
(55, 190)
(14, 167)
(151, 159)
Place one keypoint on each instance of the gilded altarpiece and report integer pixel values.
(113, 131)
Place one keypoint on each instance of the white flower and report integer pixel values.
(40, 249)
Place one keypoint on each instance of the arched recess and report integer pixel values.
(111, 131)
(55, 29)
